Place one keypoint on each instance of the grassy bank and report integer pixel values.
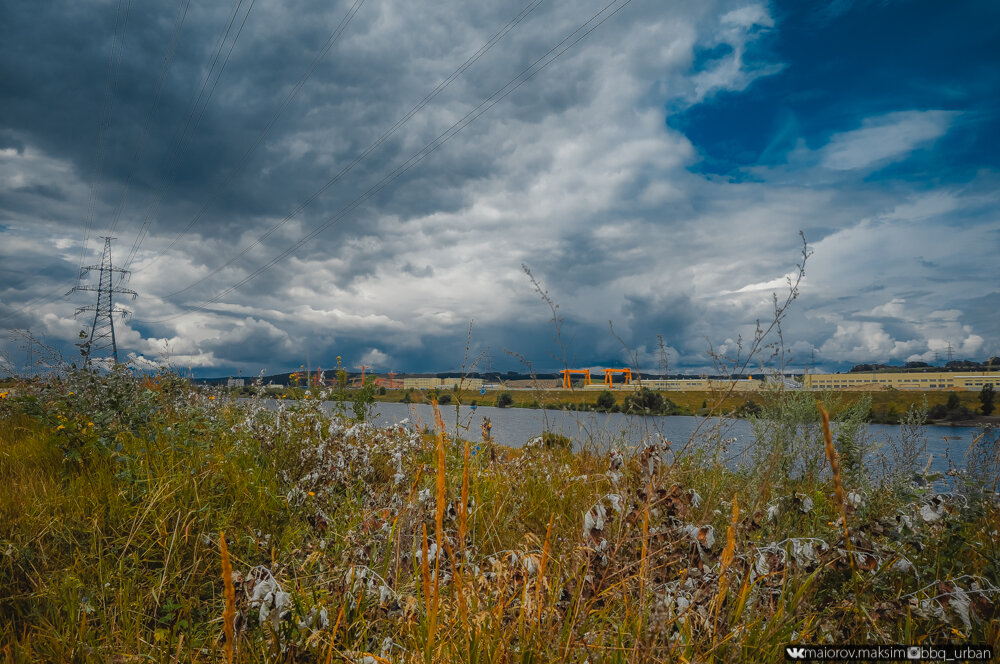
(351, 543)
(887, 406)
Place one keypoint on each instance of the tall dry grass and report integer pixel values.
(111, 538)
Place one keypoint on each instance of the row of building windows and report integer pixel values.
(903, 381)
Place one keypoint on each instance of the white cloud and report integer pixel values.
(856, 341)
(748, 17)
(376, 359)
(892, 308)
(884, 139)
(736, 29)
(778, 284)
(577, 174)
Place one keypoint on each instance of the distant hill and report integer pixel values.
(992, 364)
(511, 377)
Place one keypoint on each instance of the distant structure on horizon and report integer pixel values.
(101, 343)
(925, 380)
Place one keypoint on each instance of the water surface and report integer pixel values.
(731, 437)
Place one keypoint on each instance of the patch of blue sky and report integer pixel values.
(704, 57)
(845, 68)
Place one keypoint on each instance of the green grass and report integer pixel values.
(109, 535)
(886, 405)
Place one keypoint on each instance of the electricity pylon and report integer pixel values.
(102, 330)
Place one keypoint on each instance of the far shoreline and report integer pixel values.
(887, 405)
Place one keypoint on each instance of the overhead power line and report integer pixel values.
(179, 137)
(114, 64)
(440, 87)
(513, 84)
(104, 121)
(103, 125)
(168, 58)
(197, 108)
(241, 164)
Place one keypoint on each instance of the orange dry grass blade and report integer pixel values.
(438, 517)
(642, 573)
(458, 587)
(413, 487)
(463, 509)
(838, 486)
(333, 635)
(425, 571)
(463, 516)
(365, 655)
(229, 614)
(728, 554)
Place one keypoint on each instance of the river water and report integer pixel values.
(730, 439)
(516, 426)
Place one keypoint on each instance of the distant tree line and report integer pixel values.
(955, 365)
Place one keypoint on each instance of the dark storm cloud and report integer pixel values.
(672, 316)
(593, 173)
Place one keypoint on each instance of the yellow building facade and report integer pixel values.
(938, 380)
(701, 384)
(428, 383)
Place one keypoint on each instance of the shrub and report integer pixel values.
(986, 396)
(504, 399)
(789, 440)
(648, 402)
(951, 411)
(364, 401)
(554, 440)
(605, 400)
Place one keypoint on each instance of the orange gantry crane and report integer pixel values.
(359, 382)
(609, 376)
(566, 376)
(390, 383)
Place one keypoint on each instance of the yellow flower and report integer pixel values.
(212, 397)
(60, 427)
(90, 424)
(3, 395)
(312, 493)
(71, 394)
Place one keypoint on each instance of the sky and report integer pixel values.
(294, 180)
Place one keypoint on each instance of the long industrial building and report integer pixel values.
(431, 382)
(695, 384)
(937, 380)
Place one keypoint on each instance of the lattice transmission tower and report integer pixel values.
(102, 330)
